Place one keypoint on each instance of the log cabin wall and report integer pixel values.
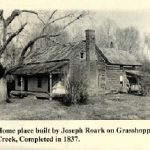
(109, 76)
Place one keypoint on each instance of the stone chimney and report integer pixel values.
(90, 45)
(91, 58)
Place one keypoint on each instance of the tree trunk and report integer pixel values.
(3, 90)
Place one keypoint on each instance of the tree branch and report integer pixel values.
(46, 24)
(51, 16)
(60, 18)
(1, 14)
(10, 38)
(13, 15)
(16, 13)
(71, 22)
(30, 43)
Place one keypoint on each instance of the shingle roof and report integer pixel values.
(38, 68)
(134, 72)
(118, 57)
(57, 52)
(45, 60)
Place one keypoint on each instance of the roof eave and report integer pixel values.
(125, 64)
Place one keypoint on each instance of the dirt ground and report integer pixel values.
(106, 107)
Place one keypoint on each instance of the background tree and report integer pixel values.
(46, 42)
(106, 33)
(128, 39)
(123, 38)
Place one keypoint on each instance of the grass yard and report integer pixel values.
(116, 106)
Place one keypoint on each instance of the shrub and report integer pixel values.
(67, 100)
(145, 85)
(77, 86)
(145, 78)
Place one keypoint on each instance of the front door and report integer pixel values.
(25, 83)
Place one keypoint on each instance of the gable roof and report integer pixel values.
(56, 52)
(117, 57)
(46, 60)
(68, 51)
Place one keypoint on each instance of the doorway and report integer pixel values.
(25, 83)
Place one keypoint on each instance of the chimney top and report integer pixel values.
(90, 35)
(89, 30)
(90, 45)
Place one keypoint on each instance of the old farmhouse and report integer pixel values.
(106, 68)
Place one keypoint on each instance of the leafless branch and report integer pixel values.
(13, 15)
(64, 17)
(31, 42)
(50, 17)
(30, 11)
(33, 12)
(60, 18)
(71, 22)
(16, 13)
(10, 38)
(1, 14)
(52, 14)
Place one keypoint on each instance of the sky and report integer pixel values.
(123, 18)
(123, 12)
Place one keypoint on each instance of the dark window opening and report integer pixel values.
(121, 67)
(111, 45)
(82, 55)
(39, 82)
(132, 80)
(19, 81)
(133, 67)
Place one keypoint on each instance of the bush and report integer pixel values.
(77, 92)
(145, 78)
(145, 85)
(67, 100)
(77, 87)
(83, 98)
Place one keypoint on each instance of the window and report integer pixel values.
(19, 81)
(111, 45)
(82, 55)
(121, 67)
(39, 82)
(133, 67)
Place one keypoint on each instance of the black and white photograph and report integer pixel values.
(74, 64)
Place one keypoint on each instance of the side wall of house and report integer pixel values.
(113, 74)
(33, 84)
(109, 77)
(17, 87)
(87, 70)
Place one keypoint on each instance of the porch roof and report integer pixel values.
(134, 72)
(39, 68)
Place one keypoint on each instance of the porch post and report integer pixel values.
(50, 85)
(138, 80)
(21, 88)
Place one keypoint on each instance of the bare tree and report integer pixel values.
(6, 39)
(106, 33)
(125, 39)
(128, 39)
(47, 42)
